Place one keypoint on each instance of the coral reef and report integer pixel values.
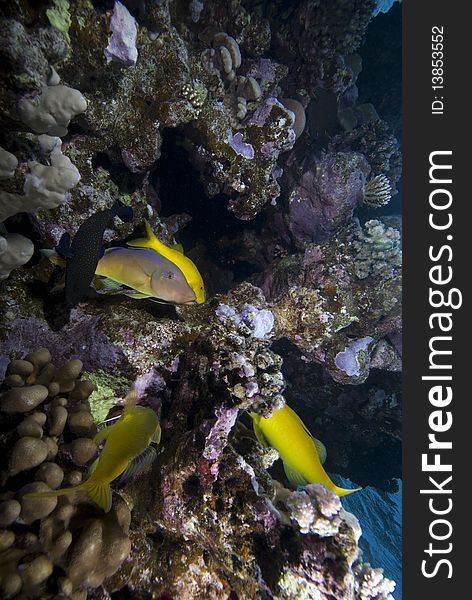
(235, 130)
(46, 438)
(377, 191)
(15, 250)
(377, 251)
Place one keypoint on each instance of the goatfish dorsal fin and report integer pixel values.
(188, 268)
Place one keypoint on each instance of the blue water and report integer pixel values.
(380, 516)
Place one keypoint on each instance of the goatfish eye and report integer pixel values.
(170, 275)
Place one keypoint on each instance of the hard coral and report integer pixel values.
(316, 510)
(54, 542)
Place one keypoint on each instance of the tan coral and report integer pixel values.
(68, 534)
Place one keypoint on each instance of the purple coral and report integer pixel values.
(238, 144)
(262, 113)
(348, 360)
(224, 311)
(80, 338)
(217, 439)
(261, 321)
(256, 321)
(265, 70)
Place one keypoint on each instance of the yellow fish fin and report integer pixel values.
(92, 467)
(178, 248)
(135, 295)
(294, 476)
(103, 434)
(157, 435)
(131, 399)
(139, 464)
(139, 243)
(150, 241)
(106, 284)
(54, 257)
(344, 491)
(321, 450)
(98, 491)
(257, 429)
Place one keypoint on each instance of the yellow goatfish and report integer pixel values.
(186, 266)
(146, 272)
(127, 452)
(298, 449)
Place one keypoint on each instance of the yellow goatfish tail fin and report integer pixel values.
(98, 491)
(150, 241)
(344, 491)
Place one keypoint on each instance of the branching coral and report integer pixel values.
(15, 250)
(316, 510)
(45, 186)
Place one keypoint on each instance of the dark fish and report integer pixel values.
(85, 250)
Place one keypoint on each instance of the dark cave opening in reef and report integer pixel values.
(180, 191)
